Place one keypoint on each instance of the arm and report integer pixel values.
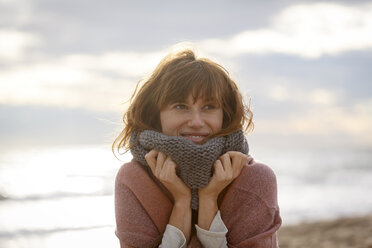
(250, 209)
(164, 169)
(226, 169)
(181, 217)
(215, 236)
(134, 227)
(142, 211)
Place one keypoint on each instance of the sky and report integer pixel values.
(68, 67)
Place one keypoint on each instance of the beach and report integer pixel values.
(69, 202)
(348, 232)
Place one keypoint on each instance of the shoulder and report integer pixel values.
(136, 191)
(130, 173)
(250, 209)
(258, 179)
(257, 172)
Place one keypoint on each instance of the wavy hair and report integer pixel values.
(174, 79)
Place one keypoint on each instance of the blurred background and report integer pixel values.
(68, 67)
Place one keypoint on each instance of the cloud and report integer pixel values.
(351, 125)
(321, 114)
(307, 30)
(104, 80)
(95, 82)
(14, 43)
(317, 96)
(354, 123)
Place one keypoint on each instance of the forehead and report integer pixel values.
(191, 98)
(209, 85)
(196, 94)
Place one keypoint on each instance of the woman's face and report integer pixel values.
(195, 121)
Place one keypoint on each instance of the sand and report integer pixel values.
(346, 232)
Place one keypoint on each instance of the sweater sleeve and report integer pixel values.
(216, 236)
(173, 237)
(134, 227)
(250, 210)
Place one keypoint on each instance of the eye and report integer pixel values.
(210, 106)
(179, 106)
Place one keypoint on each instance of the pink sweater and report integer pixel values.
(248, 207)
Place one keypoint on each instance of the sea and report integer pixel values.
(63, 196)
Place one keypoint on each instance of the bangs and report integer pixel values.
(173, 80)
(199, 79)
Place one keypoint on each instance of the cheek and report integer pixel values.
(168, 124)
(218, 121)
(163, 123)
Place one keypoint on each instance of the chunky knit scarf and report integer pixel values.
(195, 162)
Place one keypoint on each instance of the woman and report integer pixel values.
(191, 182)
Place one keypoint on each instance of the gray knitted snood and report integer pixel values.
(195, 162)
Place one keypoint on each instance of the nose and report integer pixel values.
(196, 120)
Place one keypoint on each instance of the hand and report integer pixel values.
(226, 169)
(164, 169)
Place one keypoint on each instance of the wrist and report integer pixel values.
(208, 197)
(209, 201)
(208, 208)
(181, 196)
(184, 201)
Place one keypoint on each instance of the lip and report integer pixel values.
(196, 137)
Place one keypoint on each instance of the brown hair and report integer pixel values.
(176, 76)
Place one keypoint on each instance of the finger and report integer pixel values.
(218, 167)
(170, 160)
(234, 160)
(234, 154)
(238, 161)
(249, 159)
(237, 166)
(244, 160)
(238, 156)
(229, 172)
(168, 172)
(160, 162)
(226, 161)
(169, 166)
(151, 159)
(161, 158)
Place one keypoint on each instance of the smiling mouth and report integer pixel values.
(196, 138)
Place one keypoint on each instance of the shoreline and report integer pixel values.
(342, 232)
